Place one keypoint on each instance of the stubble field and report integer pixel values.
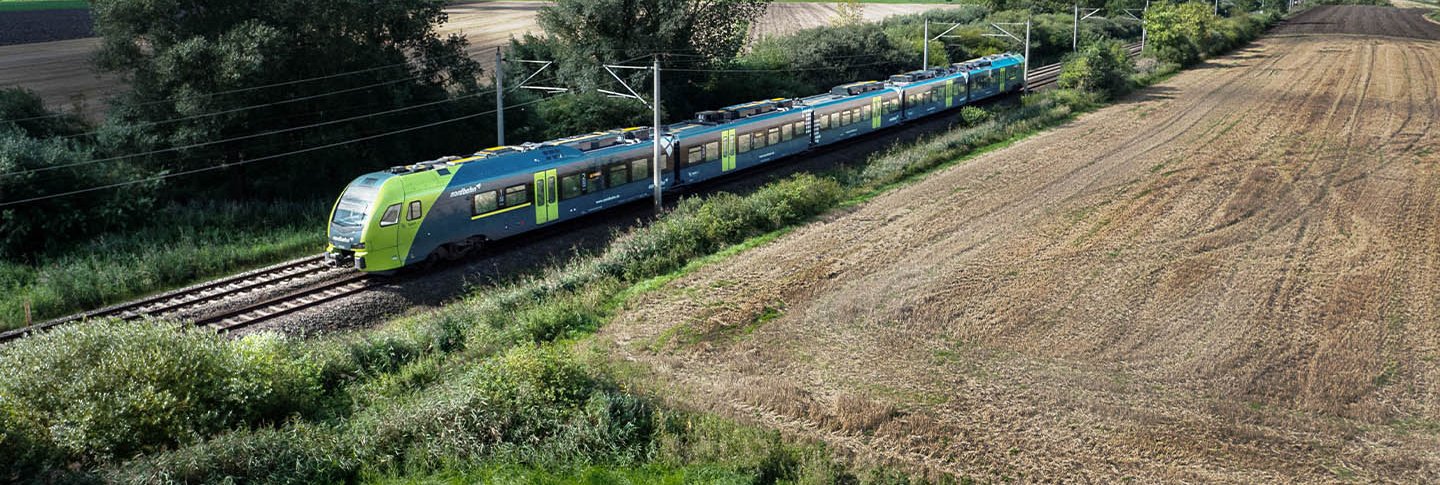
(1229, 277)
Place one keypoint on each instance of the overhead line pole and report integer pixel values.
(499, 98)
(1075, 29)
(1025, 73)
(925, 59)
(655, 135)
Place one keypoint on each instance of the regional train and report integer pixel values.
(443, 209)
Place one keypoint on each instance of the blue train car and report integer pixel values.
(444, 208)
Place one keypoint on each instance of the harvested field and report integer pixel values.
(787, 18)
(1362, 20)
(62, 74)
(1228, 277)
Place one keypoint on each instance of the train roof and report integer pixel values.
(526, 156)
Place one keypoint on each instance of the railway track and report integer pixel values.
(321, 282)
(1047, 76)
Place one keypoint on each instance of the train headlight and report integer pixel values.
(358, 245)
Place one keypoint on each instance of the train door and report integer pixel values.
(1003, 79)
(949, 93)
(811, 128)
(727, 150)
(876, 114)
(547, 201)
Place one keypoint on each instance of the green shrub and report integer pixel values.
(974, 115)
(105, 390)
(297, 453)
(1102, 67)
(187, 243)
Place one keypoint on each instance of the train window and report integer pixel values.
(570, 186)
(415, 211)
(391, 216)
(593, 182)
(516, 195)
(639, 169)
(845, 118)
(785, 132)
(712, 151)
(758, 140)
(799, 128)
(865, 112)
(694, 156)
(824, 122)
(617, 174)
(774, 136)
(742, 143)
(484, 202)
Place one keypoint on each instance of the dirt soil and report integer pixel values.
(1228, 277)
(1362, 20)
(62, 74)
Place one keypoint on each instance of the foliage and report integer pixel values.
(974, 115)
(1184, 33)
(1176, 30)
(848, 12)
(199, 71)
(31, 149)
(185, 243)
(106, 390)
(587, 112)
(1101, 67)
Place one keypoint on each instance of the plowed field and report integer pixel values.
(1233, 276)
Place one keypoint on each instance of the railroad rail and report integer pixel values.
(329, 283)
(1045, 77)
(194, 298)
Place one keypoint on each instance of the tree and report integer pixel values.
(32, 150)
(1101, 67)
(848, 12)
(199, 71)
(1175, 30)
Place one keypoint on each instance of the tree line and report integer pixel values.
(214, 84)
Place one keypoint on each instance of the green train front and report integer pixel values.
(444, 209)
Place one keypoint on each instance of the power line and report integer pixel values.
(254, 88)
(253, 160)
(256, 106)
(246, 137)
(821, 68)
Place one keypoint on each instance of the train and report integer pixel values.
(447, 208)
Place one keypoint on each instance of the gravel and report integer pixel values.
(28, 27)
(506, 260)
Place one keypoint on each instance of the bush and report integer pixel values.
(1101, 67)
(974, 115)
(99, 391)
(30, 152)
(298, 453)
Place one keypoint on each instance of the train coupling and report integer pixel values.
(339, 258)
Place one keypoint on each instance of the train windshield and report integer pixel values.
(355, 205)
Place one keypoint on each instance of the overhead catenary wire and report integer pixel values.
(258, 159)
(255, 88)
(258, 106)
(250, 136)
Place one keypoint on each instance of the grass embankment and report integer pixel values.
(499, 384)
(28, 5)
(184, 245)
(503, 384)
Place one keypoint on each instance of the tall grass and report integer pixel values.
(182, 245)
